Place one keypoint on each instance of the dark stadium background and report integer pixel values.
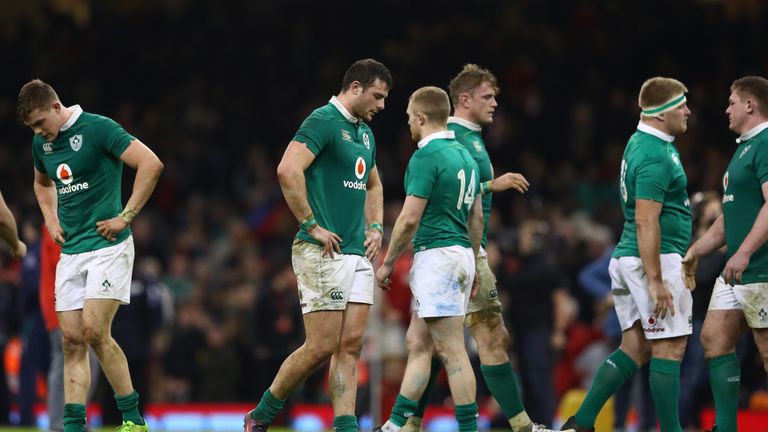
(217, 90)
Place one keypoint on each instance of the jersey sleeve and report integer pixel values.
(36, 157)
(419, 178)
(314, 133)
(761, 163)
(112, 138)
(652, 179)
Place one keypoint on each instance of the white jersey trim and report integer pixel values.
(752, 132)
(343, 110)
(437, 135)
(72, 119)
(466, 123)
(643, 127)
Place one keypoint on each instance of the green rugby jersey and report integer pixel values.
(743, 198)
(651, 169)
(468, 134)
(442, 172)
(345, 152)
(84, 164)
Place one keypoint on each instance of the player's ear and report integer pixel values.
(749, 106)
(356, 87)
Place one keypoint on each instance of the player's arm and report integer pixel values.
(475, 225)
(713, 238)
(647, 214)
(45, 192)
(374, 214)
(9, 232)
(402, 233)
(505, 181)
(290, 173)
(148, 168)
(757, 236)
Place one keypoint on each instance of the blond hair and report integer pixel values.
(471, 77)
(658, 91)
(432, 102)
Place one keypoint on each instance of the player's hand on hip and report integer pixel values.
(19, 251)
(690, 264)
(373, 240)
(111, 227)
(328, 240)
(734, 268)
(57, 234)
(511, 180)
(383, 277)
(662, 299)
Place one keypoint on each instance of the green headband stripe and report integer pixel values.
(666, 107)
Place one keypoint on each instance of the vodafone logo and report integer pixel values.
(64, 173)
(725, 181)
(360, 168)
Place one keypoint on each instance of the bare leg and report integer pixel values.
(343, 370)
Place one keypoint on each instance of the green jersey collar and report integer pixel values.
(642, 127)
(437, 135)
(72, 119)
(343, 110)
(466, 123)
(752, 132)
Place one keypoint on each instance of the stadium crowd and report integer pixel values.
(217, 91)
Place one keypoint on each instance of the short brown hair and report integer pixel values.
(471, 77)
(34, 94)
(755, 87)
(432, 102)
(659, 90)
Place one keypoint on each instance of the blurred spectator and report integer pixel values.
(538, 316)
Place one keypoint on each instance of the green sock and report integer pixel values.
(466, 415)
(74, 417)
(345, 423)
(725, 378)
(665, 391)
(500, 379)
(433, 372)
(614, 372)
(403, 409)
(129, 406)
(268, 408)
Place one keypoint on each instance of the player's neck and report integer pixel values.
(346, 99)
(656, 124)
(429, 129)
(465, 115)
(65, 115)
(752, 123)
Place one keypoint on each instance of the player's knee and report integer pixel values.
(715, 343)
(320, 351)
(418, 344)
(352, 343)
(72, 340)
(94, 334)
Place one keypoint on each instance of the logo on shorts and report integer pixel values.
(105, 286)
(360, 168)
(493, 294)
(366, 140)
(337, 296)
(651, 321)
(762, 314)
(76, 142)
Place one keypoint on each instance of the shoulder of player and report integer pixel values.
(94, 120)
